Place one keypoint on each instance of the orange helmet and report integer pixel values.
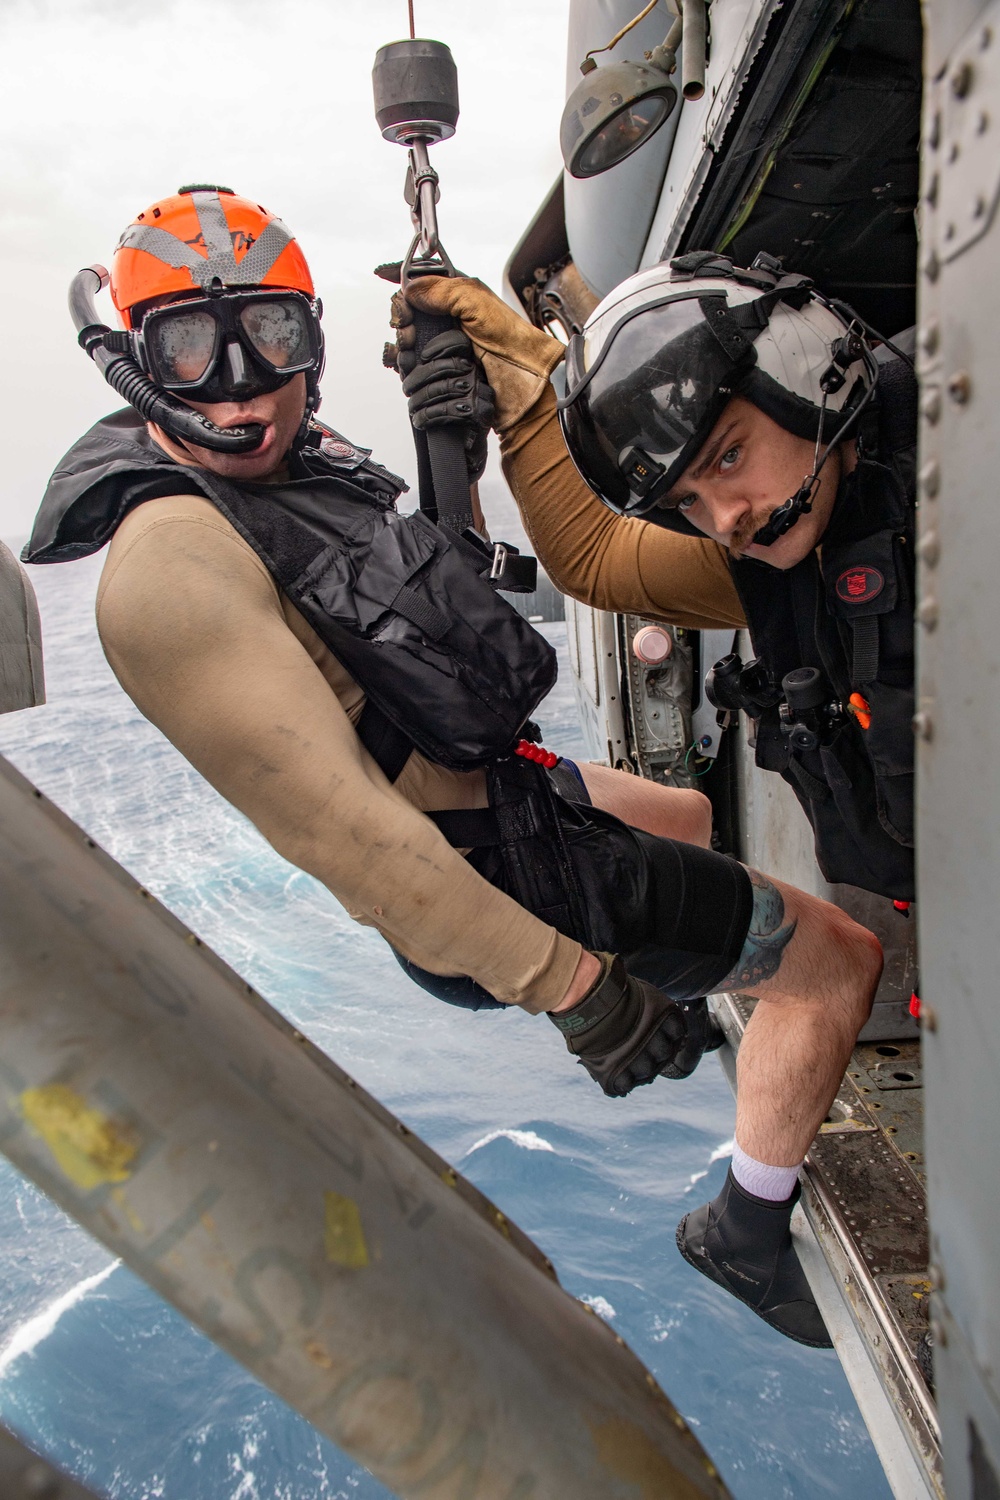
(202, 235)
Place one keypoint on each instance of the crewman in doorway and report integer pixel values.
(595, 899)
(731, 450)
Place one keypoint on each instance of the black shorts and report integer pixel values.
(678, 914)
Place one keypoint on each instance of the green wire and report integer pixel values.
(757, 186)
(687, 757)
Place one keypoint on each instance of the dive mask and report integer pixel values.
(232, 346)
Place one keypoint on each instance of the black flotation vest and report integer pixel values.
(849, 611)
(448, 667)
(446, 664)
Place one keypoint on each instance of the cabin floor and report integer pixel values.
(864, 1197)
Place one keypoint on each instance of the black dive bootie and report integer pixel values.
(704, 1034)
(745, 1245)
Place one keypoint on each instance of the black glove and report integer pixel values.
(445, 386)
(704, 1034)
(624, 1031)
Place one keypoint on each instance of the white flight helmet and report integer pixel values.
(662, 354)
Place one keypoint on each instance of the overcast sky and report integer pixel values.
(111, 104)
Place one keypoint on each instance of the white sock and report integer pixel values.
(774, 1183)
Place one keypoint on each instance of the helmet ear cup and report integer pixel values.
(795, 352)
(795, 413)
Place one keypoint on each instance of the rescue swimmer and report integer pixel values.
(309, 650)
(756, 463)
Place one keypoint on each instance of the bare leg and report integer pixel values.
(813, 969)
(814, 972)
(668, 811)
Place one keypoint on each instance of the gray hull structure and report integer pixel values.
(958, 726)
(828, 131)
(184, 1123)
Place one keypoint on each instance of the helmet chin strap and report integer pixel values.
(845, 350)
(801, 503)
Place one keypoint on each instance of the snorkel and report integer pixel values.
(111, 352)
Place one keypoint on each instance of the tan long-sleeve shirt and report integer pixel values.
(211, 651)
(609, 561)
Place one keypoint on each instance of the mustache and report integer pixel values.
(743, 533)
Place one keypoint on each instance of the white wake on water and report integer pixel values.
(526, 1139)
(719, 1154)
(601, 1306)
(26, 1338)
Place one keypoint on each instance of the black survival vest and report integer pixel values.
(447, 666)
(848, 610)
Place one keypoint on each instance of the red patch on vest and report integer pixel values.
(858, 585)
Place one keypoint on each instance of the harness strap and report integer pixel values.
(753, 317)
(865, 662)
(815, 790)
(443, 473)
(425, 479)
(737, 327)
(388, 746)
(421, 613)
(463, 827)
(468, 827)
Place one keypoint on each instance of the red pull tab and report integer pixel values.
(903, 907)
(537, 753)
(861, 709)
(915, 1006)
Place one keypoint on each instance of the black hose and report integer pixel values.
(125, 375)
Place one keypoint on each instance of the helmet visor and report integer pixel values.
(635, 420)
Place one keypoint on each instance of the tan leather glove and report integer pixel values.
(518, 359)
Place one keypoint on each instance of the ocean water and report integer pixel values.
(109, 1381)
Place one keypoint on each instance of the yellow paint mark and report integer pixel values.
(344, 1238)
(630, 1454)
(118, 1196)
(89, 1146)
(318, 1355)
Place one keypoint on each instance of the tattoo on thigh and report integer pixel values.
(766, 940)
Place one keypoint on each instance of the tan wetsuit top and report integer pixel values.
(609, 561)
(211, 651)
